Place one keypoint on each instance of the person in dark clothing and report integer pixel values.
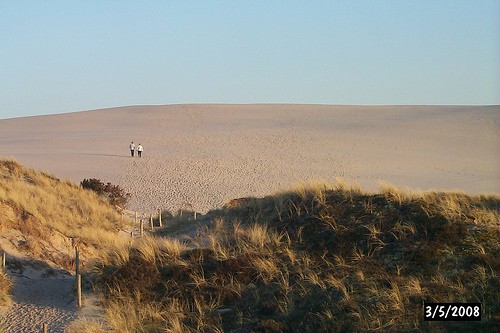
(132, 148)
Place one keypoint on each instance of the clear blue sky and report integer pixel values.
(62, 56)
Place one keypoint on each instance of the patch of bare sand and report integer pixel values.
(41, 298)
(41, 301)
(200, 156)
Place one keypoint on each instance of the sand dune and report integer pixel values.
(200, 156)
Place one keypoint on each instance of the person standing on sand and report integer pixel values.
(132, 148)
(139, 150)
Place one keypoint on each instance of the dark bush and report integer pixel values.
(114, 193)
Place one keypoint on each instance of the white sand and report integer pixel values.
(200, 156)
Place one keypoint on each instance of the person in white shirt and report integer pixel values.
(139, 150)
(132, 148)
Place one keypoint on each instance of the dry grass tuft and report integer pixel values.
(84, 325)
(5, 288)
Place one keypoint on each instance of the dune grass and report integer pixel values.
(46, 210)
(5, 288)
(319, 258)
(60, 205)
(46, 216)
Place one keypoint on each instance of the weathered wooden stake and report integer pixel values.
(3, 260)
(77, 261)
(195, 215)
(141, 228)
(151, 226)
(159, 218)
(79, 290)
(44, 328)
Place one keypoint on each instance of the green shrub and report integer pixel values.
(114, 193)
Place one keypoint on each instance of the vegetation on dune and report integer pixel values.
(41, 218)
(316, 259)
(44, 211)
(319, 258)
(114, 193)
(5, 287)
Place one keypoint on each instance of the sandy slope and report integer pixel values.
(200, 156)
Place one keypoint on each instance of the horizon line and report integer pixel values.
(248, 104)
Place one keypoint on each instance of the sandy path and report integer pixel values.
(39, 301)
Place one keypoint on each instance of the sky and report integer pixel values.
(66, 56)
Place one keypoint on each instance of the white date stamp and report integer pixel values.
(452, 311)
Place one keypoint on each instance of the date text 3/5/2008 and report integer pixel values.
(452, 311)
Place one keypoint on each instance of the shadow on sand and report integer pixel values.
(107, 155)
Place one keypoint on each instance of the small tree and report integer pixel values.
(114, 193)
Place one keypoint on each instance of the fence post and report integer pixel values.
(151, 222)
(79, 290)
(195, 215)
(159, 218)
(141, 228)
(77, 261)
(44, 327)
(3, 260)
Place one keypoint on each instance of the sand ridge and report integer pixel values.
(200, 156)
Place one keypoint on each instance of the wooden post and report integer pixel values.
(44, 327)
(151, 226)
(141, 228)
(159, 218)
(79, 290)
(195, 215)
(3, 260)
(77, 261)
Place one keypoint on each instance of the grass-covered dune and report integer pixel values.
(41, 217)
(318, 258)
